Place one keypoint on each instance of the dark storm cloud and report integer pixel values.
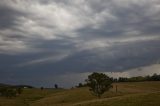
(55, 37)
(7, 17)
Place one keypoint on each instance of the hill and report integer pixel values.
(82, 96)
(16, 86)
(4, 85)
(23, 86)
(129, 94)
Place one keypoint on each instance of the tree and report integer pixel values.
(98, 83)
(42, 88)
(19, 90)
(8, 92)
(155, 77)
(80, 85)
(56, 86)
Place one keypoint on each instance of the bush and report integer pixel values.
(10, 91)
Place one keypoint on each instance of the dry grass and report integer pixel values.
(148, 99)
(128, 93)
(27, 97)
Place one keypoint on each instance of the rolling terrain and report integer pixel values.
(128, 94)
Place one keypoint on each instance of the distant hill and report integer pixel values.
(16, 86)
(23, 86)
(4, 85)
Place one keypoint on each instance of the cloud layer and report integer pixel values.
(55, 37)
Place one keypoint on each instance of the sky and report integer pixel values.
(43, 42)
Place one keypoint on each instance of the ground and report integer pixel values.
(129, 94)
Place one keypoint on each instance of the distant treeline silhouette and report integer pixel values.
(12, 91)
(154, 77)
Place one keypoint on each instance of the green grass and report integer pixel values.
(129, 94)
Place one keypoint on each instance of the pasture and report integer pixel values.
(128, 94)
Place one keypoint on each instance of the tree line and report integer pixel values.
(10, 91)
(154, 77)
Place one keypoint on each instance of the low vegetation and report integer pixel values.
(154, 77)
(127, 93)
(10, 91)
(28, 96)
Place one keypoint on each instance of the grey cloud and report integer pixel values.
(7, 17)
(46, 37)
(133, 17)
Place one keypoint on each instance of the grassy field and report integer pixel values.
(27, 97)
(129, 94)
